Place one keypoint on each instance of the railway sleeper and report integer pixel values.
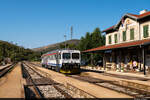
(7, 69)
(126, 90)
(130, 90)
(136, 86)
(62, 92)
(136, 90)
(77, 91)
(125, 77)
(4, 68)
(40, 71)
(33, 82)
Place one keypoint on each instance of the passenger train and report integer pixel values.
(64, 61)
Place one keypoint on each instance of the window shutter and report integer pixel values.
(145, 31)
(109, 39)
(115, 38)
(131, 34)
(124, 35)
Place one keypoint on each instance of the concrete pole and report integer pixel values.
(91, 58)
(120, 59)
(143, 54)
(65, 41)
(139, 58)
(104, 62)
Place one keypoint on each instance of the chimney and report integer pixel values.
(143, 11)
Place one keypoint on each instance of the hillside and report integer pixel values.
(56, 45)
(16, 53)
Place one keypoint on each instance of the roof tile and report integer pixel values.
(138, 17)
(121, 45)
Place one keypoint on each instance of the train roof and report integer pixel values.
(58, 50)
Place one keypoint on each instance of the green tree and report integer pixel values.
(91, 40)
(97, 40)
(61, 46)
(16, 53)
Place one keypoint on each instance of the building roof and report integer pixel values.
(121, 45)
(141, 15)
(110, 28)
(133, 16)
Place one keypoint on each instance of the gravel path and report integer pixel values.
(50, 92)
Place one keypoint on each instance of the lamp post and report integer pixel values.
(65, 41)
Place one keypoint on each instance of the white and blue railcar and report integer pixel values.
(65, 61)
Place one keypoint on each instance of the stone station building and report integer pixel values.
(127, 45)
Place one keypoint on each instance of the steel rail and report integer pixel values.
(113, 83)
(126, 77)
(66, 95)
(40, 95)
(6, 69)
(138, 91)
(54, 84)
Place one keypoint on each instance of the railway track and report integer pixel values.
(125, 77)
(115, 85)
(117, 76)
(109, 74)
(133, 89)
(5, 70)
(39, 65)
(40, 86)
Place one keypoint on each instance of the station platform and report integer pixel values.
(11, 84)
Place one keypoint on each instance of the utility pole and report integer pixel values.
(71, 32)
(65, 41)
(143, 53)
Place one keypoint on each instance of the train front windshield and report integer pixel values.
(75, 55)
(66, 55)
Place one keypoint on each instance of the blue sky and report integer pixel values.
(36, 23)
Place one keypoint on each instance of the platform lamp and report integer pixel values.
(65, 41)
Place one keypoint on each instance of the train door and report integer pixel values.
(57, 63)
